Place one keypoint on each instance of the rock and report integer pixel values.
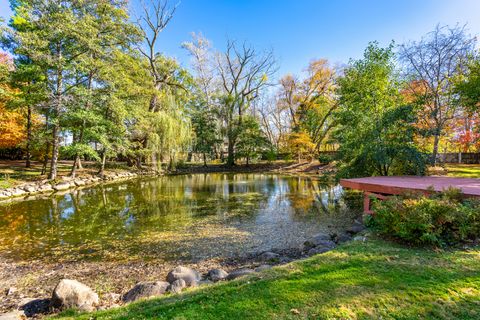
(269, 256)
(11, 291)
(359, 238)
(145, 290)
(356, 228)
(14, 315)
(73, 294)
(318, 250)
(79, 182)
(177, 286)
(263, 267)
(217, 275)
(5, 194)
(45, 187)
(204, 282)
(344, 237)
(61, 186)
(17, 192)
(190, 276)
(30, 189)
(319, 239)
(239, 273)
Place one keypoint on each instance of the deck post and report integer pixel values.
(366, 203)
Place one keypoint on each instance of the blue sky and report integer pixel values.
(300, 30)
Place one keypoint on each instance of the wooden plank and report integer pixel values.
(393, 185)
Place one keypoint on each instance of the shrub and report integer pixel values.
(440, 219)
(325, 158)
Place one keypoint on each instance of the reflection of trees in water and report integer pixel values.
(119, 218)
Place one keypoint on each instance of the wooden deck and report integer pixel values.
(381, 187)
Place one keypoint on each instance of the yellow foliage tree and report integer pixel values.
(301, 145)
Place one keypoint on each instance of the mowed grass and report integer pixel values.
(359, 280)
(463, 170)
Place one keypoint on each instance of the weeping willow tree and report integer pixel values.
(171, 132)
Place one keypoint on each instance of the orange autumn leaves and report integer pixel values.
(12, 122)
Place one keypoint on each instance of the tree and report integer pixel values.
(250, 140)
(243, 73)
(375, 128)
(12, 131)
(110, 31)
(55, 37)
(301, 145)
(310, 102)
(434, 62)
(166, 79)
(204, 124)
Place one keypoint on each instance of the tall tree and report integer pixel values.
(434, 62)
(244, 72)
(55, 36)
(375, 132)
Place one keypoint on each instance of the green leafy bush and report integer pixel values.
(325, 158)
(440, 219)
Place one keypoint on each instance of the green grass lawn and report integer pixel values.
(463, 170)
(371, 280)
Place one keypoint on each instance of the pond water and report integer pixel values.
(183, 218)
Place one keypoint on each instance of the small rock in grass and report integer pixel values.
(190, 276)
(239, 273)
(145, 290)
(359, 238)
(177, 286)
(217, 274)
(73, 294)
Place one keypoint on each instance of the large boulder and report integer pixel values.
(217, 275)
(239, 273)
(73, 294)
(145, 290)
(190, 276)
(318, 240)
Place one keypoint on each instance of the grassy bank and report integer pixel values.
(463, 170)
(371, 280)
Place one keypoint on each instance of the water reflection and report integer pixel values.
(187, 217)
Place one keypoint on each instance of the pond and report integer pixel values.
(174, 218)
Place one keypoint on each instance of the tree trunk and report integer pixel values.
(435, 148)
(45, 159)
(204, 160)
(102, 166)
(231, 153)
(29, 136)
(55, 150)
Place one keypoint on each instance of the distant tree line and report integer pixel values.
(83, 72)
